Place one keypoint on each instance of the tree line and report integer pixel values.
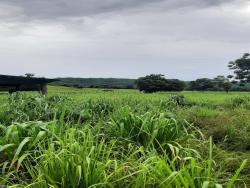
(239, 81)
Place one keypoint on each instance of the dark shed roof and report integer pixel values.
(19, 80)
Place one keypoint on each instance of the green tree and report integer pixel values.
(241, 68)
(174, 85)
(157, 82)
(202, 84)
(222, 83)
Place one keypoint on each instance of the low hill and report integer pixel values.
(112, 83)
(118, 83)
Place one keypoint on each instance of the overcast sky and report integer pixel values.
(184, 39)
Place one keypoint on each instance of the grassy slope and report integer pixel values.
(135, 158)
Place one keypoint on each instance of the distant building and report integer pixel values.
(22, 83)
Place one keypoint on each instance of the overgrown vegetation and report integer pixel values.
(92, 138)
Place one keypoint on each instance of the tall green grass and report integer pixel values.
(95, 140)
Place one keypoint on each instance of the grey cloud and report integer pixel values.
(53, 9)
(184, 39)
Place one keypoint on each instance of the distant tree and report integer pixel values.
(29, 75)
(174, 85)
(241, 69)
(151, 83)
(202, 84)
(157, 82)
(227, 86)
(219, 83)
(222, 83)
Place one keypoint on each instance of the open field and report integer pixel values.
(123, 138)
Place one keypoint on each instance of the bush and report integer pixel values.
(178, 101)
(156, 82)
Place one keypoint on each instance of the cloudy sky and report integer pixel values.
(183, 39)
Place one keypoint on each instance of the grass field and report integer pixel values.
(123, 138)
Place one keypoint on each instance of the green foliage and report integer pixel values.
(148, 130)
(241, 68)
(156, 82)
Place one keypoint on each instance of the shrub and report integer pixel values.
(178, 101)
